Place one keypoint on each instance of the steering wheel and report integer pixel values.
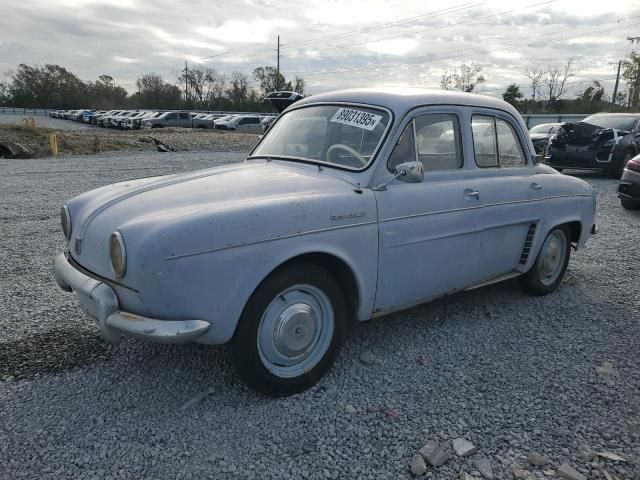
(340, 146)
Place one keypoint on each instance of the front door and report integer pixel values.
(428, 232)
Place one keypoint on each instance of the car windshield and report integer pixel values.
(621, 122)
(544, 128)
(334, 134)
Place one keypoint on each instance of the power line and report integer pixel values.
(467, 51)
(402, 21)
(472, 20)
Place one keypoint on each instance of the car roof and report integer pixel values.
(401, 100)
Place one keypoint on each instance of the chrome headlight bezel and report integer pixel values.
(117, 254)
(65, 221)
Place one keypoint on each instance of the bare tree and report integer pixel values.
(466, 78)
(535, 76)
(555, 81)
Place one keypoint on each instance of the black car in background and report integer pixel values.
(604, 141)
(629, 187)
(540, 135)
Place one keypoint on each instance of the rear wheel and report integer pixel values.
(548, 270)
(291, 330)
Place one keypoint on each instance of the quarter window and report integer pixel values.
(404, 150)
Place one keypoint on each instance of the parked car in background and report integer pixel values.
(604, 141)
(267, 122)
(241, 123)
(204, 121)
(133, 122)
(347, 208)
(540, 135)
(168, 119)
(113, 121)
(629, 187)
(103, 120)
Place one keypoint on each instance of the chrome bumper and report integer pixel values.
(99, 301)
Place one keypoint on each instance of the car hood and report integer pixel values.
(585, 135)
(234, 204)
(539, 136)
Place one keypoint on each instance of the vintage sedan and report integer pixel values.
(354, 204)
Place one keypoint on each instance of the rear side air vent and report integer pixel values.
(527, 244)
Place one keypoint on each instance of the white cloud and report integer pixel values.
(399, 46)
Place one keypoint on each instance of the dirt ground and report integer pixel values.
(86, 142)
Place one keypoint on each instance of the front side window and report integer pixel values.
(172, 116)
(405, 149)
(438, 141)
(345, 136)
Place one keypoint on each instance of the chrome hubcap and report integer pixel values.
(552, 257)
(295, 331)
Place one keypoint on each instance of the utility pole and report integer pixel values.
(278, 63)
(615, 89)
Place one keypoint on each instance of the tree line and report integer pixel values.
(198, 88)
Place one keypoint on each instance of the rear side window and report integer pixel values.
(484, 141)
(184, 116)
(509, 149)
(496, 143)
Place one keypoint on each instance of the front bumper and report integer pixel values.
(590, 159)
(629, 186)
(99, 301)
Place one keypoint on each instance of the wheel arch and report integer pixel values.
(338, 267)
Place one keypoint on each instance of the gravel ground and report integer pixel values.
(512, 374)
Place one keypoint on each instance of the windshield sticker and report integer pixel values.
(356, 118)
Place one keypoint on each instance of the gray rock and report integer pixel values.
(521, 474)
(418, 466)
(367, 357)
(567, 471)
(484, 467)
(434, 454)
(536, 459)
(466, 476)
(463, 447)
(350, 409)
(608, 373)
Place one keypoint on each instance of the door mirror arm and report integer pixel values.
(409, 172)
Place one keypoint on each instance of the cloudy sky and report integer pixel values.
(329, 43)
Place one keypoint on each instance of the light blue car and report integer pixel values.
(354, 204)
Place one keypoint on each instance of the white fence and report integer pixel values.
(536, 119)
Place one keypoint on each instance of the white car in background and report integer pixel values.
(241, 123)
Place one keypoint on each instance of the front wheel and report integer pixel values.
(548, 270)
(291, 330)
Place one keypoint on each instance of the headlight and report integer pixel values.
(65, 220)
(118, 254)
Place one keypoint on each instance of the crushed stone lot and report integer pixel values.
(539, 387)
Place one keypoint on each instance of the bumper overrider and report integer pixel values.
(99, 301)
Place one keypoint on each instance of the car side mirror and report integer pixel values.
(410, 172)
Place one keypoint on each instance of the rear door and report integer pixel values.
(505, 181)
(184, 119)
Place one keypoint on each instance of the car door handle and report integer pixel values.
(536, 186)
(470, 193)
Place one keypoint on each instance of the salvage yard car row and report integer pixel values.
(135, 119)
